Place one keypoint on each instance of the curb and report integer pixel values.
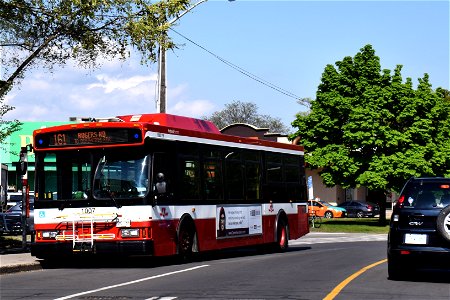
(20, 268)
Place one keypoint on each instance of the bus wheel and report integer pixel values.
(185, 242)
(282, 236)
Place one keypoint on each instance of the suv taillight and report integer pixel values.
(400, 201)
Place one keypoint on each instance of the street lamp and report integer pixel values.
(162, 96)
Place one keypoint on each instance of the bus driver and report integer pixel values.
(160, 185)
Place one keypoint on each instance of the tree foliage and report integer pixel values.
(245, 112)
(7, 127)
(48, 33)
(368, 127)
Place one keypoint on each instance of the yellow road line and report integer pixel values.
(341, 285)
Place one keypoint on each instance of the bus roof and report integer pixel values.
(170, 127)
(169, 120)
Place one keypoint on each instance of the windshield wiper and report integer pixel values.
(63, 204)
(111, 196)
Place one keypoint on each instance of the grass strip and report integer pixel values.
(352, 225)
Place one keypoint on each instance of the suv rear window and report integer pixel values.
(426, 194)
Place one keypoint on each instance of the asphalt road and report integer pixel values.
(330, 269)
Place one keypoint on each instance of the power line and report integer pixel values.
(242, 71)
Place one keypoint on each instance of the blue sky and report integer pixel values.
(285, 43)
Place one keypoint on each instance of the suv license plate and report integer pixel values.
(415, 239)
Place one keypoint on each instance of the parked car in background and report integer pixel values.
(17, 209)
(13, 199)
(11, 220)
(360, 209)
(16, 197)
(11, 223)
(334, 207)
(419, 232)
(326, 211)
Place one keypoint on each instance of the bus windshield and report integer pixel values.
(101, 174)
(121, 177)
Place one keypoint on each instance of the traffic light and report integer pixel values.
(22, 164)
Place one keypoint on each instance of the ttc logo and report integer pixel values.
(164, 212)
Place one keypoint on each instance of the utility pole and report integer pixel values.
(162, 80)
(162, 88)
(22, 169)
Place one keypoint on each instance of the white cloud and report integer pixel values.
(111, 84)
(39, 83)
(31, 113)
(9, 98)
(145, 89)
(178, 91)
(38, 111)
(196, 108)
(118, 89)
(83, 103)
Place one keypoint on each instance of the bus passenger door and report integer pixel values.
(162, 178)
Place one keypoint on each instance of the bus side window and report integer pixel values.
(190, 178)
(213, 187)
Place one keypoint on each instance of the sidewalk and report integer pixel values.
(338, 237)
(18, 262)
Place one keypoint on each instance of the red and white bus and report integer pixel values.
(160, 184)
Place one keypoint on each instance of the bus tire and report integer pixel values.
(282, 243)
(186, 234)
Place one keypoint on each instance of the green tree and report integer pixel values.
(7, 127)
(245, 112)
(48, 33)
(369, 128)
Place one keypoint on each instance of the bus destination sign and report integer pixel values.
(100, 136)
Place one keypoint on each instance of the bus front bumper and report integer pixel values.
(58, 249)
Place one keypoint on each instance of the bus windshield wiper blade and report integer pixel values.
(111, 196)
(63, 204)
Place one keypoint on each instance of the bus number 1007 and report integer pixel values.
(88, 210)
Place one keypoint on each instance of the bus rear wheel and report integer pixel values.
(282, 236)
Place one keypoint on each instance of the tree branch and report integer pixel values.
(4, 85)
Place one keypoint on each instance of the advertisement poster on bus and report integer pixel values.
(232, 221)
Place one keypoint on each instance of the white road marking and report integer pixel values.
(130, 282)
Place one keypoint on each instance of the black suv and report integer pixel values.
(419, 234)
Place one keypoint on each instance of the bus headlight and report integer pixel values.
(129, 232)
(49, 234)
